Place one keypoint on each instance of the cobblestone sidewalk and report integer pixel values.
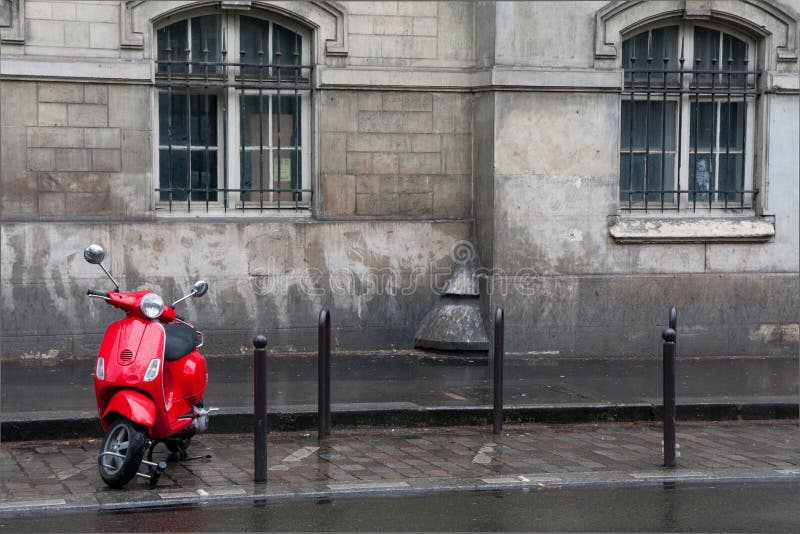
(63, 474)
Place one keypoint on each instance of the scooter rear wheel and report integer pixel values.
(127, 443)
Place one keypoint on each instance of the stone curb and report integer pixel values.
(234, 494)
(80, 427)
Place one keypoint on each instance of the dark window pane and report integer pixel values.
(661, 121)
(656, 45)
(634, 55)
(701, 134)
(286, 115)
(667, 49)
(286, 49)
(252, 117)
(255, 175)
(254, 39)
(633, 128)
(731, 179)
(731, 132)
(701, 176)
(173, 35)
(204, 125)
(631, 177)
(624, 176)
(734, 56)
(655, 175)
(706, 52)
(172, 174)
(634, 51)
(204, 120)
(664, 45)
(171, 119)
(206, 44)
(202, 176)
(657, 121)
(734, 50)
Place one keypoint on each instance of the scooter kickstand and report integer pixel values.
(150, 450)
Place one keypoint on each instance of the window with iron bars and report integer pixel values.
(233, 114)
(688, 117)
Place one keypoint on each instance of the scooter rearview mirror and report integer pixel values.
(200, 288)
(94, 254)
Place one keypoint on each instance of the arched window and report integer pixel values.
(688, 117)
(233, 113)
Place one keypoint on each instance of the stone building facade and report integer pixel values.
(420, 131)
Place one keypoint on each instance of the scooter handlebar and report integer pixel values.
(130, 302)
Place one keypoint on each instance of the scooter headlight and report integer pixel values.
(152, 306)
(100, 370)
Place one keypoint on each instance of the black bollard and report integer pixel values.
(669, 397)
(260, 408)
(324, 375)
(497, 410)
(673, 319)
(328, 374)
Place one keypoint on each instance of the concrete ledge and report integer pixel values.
(232, 423)
(691, 230)
(75, 69)
(465, 79)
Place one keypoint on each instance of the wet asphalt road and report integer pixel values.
(675, 507)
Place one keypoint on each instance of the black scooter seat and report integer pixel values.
(180, 341)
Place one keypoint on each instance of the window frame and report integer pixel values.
(685, 109)
(229, 146)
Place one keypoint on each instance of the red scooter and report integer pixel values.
(149, 381)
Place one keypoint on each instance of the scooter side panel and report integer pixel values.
(191, 373)
(133, 405)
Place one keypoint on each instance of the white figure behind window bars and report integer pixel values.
(702, 180)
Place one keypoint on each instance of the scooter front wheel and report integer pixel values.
(121, 452)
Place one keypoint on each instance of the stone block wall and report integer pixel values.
(395, 154)
(76, 28)
(386, 33)
(411, 33)
(74, 150)
(565, 40)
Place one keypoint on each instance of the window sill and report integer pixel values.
(231, 213)
(637, 230)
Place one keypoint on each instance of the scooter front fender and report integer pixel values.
(133, 405)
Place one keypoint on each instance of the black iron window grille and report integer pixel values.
(688, 115)
(232, 123)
